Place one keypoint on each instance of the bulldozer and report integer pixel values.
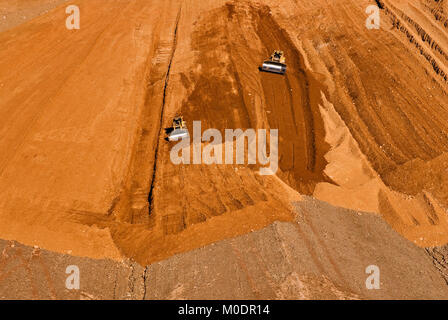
(180, 130)
(276, 63)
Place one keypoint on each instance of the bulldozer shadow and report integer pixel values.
(167, 132)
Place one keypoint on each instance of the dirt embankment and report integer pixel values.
(385, 111)
(196, 204)
(322, 254)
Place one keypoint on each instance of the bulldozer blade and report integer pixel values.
(177, 134)
(275, 67)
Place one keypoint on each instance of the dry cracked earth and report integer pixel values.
(86, 177)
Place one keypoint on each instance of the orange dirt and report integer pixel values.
(362, 118)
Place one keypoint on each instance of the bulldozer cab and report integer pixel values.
(178, 123)
(278, 56)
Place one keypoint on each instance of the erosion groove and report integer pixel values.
(165, 88)
(132, 205)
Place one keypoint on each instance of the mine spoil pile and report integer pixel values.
(86, 176)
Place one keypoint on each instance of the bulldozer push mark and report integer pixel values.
(227, 89)
(213, 153)
(404, 24)
(294, 98)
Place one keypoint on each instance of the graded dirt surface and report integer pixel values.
(362, 116)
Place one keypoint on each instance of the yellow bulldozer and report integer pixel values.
(276, 63)
(180, 130)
